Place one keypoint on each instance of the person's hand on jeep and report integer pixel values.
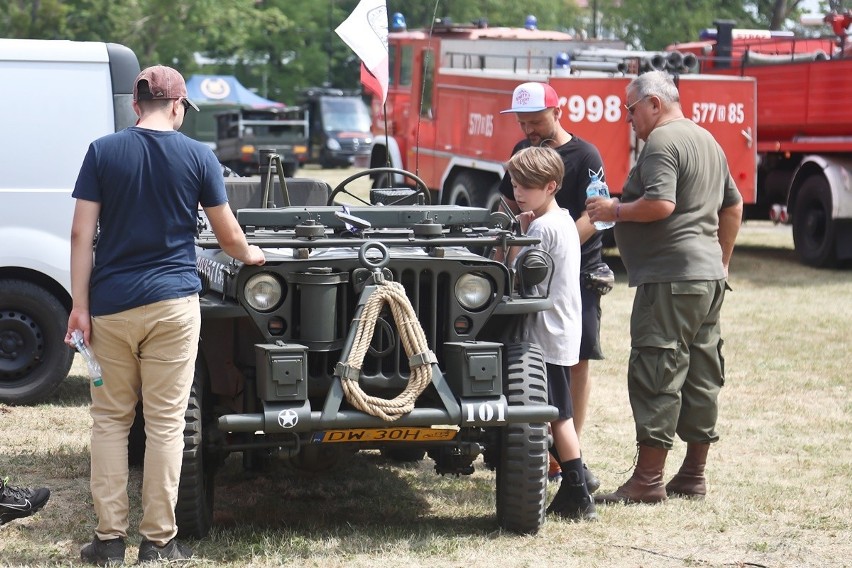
(255, 256)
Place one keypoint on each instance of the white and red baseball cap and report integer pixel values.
(533, 97)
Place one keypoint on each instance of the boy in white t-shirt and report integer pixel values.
(536, 174)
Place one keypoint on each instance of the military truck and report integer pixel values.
(372, 326)
(242, 133)
(340, 128)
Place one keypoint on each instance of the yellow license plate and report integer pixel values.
(384, 435)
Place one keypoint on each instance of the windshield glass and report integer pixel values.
(345, 114)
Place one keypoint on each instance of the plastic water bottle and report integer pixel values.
(598, 188)
(88, 357)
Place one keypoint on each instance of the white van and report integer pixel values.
(55, 98)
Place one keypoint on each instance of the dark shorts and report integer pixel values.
(590, 343)
(559, 391)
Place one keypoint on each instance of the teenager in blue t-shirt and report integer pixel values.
(135, 298)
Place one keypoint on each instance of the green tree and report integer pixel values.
(551, 14)
(650, 24)
(44, 19)
(278, 47)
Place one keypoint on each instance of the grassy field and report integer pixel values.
(779, 479)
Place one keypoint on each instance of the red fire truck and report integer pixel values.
(448, 85)
(804, 129)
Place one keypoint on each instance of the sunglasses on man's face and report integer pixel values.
(186, 106)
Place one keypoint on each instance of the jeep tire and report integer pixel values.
(522, 464)
(194, 510)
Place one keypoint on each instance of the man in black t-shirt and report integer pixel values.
(537, 108)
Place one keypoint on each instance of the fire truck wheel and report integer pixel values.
(813, 226)
(33, 356)
(522, 464)
(471, 190)
(194, 510)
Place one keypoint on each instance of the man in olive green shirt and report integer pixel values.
(676, 224)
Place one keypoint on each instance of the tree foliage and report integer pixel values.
(278, 47)
(650, 24)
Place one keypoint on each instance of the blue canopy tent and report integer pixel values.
(214, 94)
(224, 90)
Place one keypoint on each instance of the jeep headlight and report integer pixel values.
(473, 291)
(263, 292)
(333, 144)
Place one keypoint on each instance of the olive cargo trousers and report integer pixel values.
(149, 350)
(676, 368)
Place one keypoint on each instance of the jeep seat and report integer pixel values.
(247, 192)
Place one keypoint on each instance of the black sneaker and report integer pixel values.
(172, 550)
(17, 502)
(104, 552)
(582, 510)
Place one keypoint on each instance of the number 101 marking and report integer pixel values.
(485, 411)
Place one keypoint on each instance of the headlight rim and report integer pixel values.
(487, 296)
(250, 297)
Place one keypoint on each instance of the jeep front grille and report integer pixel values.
(430, 289)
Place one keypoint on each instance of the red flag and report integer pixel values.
(371, 83)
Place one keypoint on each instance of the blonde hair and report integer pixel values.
(535, 167)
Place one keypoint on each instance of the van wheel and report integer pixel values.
(33, 356)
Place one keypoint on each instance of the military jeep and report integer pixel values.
(371, 327)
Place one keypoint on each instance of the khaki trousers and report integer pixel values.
(676, 366)
(146, 352)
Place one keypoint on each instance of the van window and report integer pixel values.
(345, 114)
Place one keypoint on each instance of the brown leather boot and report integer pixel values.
(689, 481)
(646, 483)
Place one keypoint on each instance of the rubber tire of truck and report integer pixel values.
(522, 464)
(813, 226)
(194, 509)
(464, 191)
(33, 320)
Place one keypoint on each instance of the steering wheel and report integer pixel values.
(419, 185)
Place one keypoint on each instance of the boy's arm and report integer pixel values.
(525, 219)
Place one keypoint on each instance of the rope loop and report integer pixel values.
(414, 341)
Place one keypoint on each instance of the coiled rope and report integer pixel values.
(420, 358)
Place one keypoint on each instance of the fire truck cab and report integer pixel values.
(448, 85)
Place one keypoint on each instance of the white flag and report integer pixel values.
(365, 31)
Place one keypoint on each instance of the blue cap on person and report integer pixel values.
(160, 82)
(533, 97)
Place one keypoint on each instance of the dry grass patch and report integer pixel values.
(779, 479)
